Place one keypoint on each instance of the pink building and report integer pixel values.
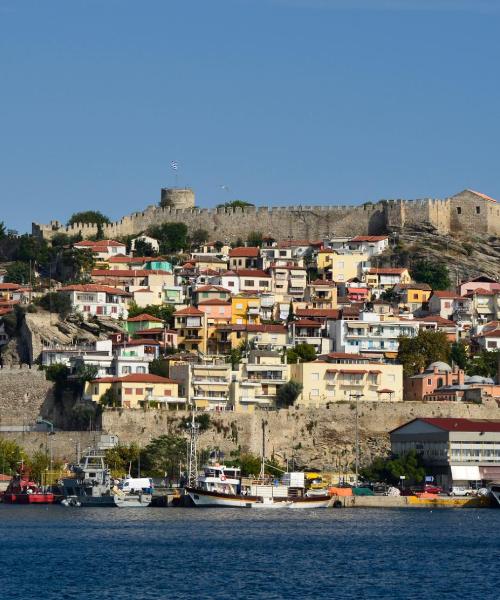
(483, 282)
(218, 311)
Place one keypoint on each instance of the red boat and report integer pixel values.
(22, 490)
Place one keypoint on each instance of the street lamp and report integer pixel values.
(356, 397)
(50, 433)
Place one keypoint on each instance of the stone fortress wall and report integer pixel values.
(468, 212)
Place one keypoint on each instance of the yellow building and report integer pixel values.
(413, 295)
(335, 266)
(321, 294)
(191, 326)
(341, 377)
(136, 390)
(245, 309)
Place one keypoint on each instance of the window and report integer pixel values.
(249, 282)
(478, 210)
(459, 210)
(167, 392)
(239, 305)
(429, 382)
(221, 310)
(141, 370)
(314, 376)
(262, 283)
(138, 391)
(126, 369)
(128, 391)
(314, 392)
(230, 284)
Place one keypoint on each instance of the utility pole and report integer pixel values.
(356, 429)
(263, 462)
(192, 456)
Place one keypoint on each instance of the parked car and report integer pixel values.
(461, 490)
(430, 488)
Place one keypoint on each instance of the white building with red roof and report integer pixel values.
(97, 300)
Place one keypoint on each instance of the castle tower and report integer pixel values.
(177, 198)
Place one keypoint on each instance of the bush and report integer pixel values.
(288, 393)
(56, 302)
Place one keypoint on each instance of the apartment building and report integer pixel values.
(191, 326)
(372, 334)
(339, 377)
(321, 294)
(97, 300)
(206, 384)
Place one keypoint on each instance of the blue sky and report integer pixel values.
(282, 101)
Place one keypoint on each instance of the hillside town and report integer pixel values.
(170, 320)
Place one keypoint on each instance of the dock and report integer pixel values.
(410, 502)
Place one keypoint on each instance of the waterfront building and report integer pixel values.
(460, 452)
(135, 391)
(339, 377)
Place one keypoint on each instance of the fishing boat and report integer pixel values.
(22, 490)
(220, 485)
(92, 486)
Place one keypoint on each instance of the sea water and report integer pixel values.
(52, 552)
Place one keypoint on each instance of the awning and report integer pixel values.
(465, 473)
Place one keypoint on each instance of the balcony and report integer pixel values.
(210, 380)
(165, 399)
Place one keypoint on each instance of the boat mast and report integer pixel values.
(263, 464)
(192, 457)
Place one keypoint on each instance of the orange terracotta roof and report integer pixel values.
(244, 252)
(188, 311)
(214, 301)
(135, 378)
(144, 317)
(127, 272)
(306, 323)
(94, 287)
(369, 238)
(387, 271)
(484, 196)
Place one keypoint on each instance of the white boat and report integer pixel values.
(223, 486)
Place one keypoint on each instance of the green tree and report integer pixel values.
(304, 352)
(89, 217)
(459, 355)
(110, 399)
(202, 420)
(435, 274)
(250, 465)
(17, 272)
(11, 454)
(199, 237)
(409, 465)
(288, 393)
(77, 263)
(158, 367)
(484, 364)
(171, 236)
(34, 249)
(143, 248)
(416, 353)
(3, 232)
(235, 204)
(255, 238)
(38, 464)
(121, 458)
(290, 312)
(164, 455)
(56, 302)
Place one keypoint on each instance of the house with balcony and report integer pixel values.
(442, 303)
(484, 305)
(173, 294)
(321, 294)
(134, 356)
(256, 383)
(97, 300)
(344, 377)
(289, 281)
(205, 384)
(309, 331)
(371, 334)
(191, 326)
(102, 249)
(245, 309)
(146, 285)
(136, 391)
(342, 265)
(98, 354)
(489, 337)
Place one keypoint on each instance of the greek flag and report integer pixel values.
(174, 165)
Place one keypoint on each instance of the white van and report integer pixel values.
(134, 485)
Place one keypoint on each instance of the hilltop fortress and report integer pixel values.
(469, 212)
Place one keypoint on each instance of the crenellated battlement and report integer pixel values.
(468, 211)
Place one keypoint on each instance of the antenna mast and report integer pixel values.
(192, 456)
